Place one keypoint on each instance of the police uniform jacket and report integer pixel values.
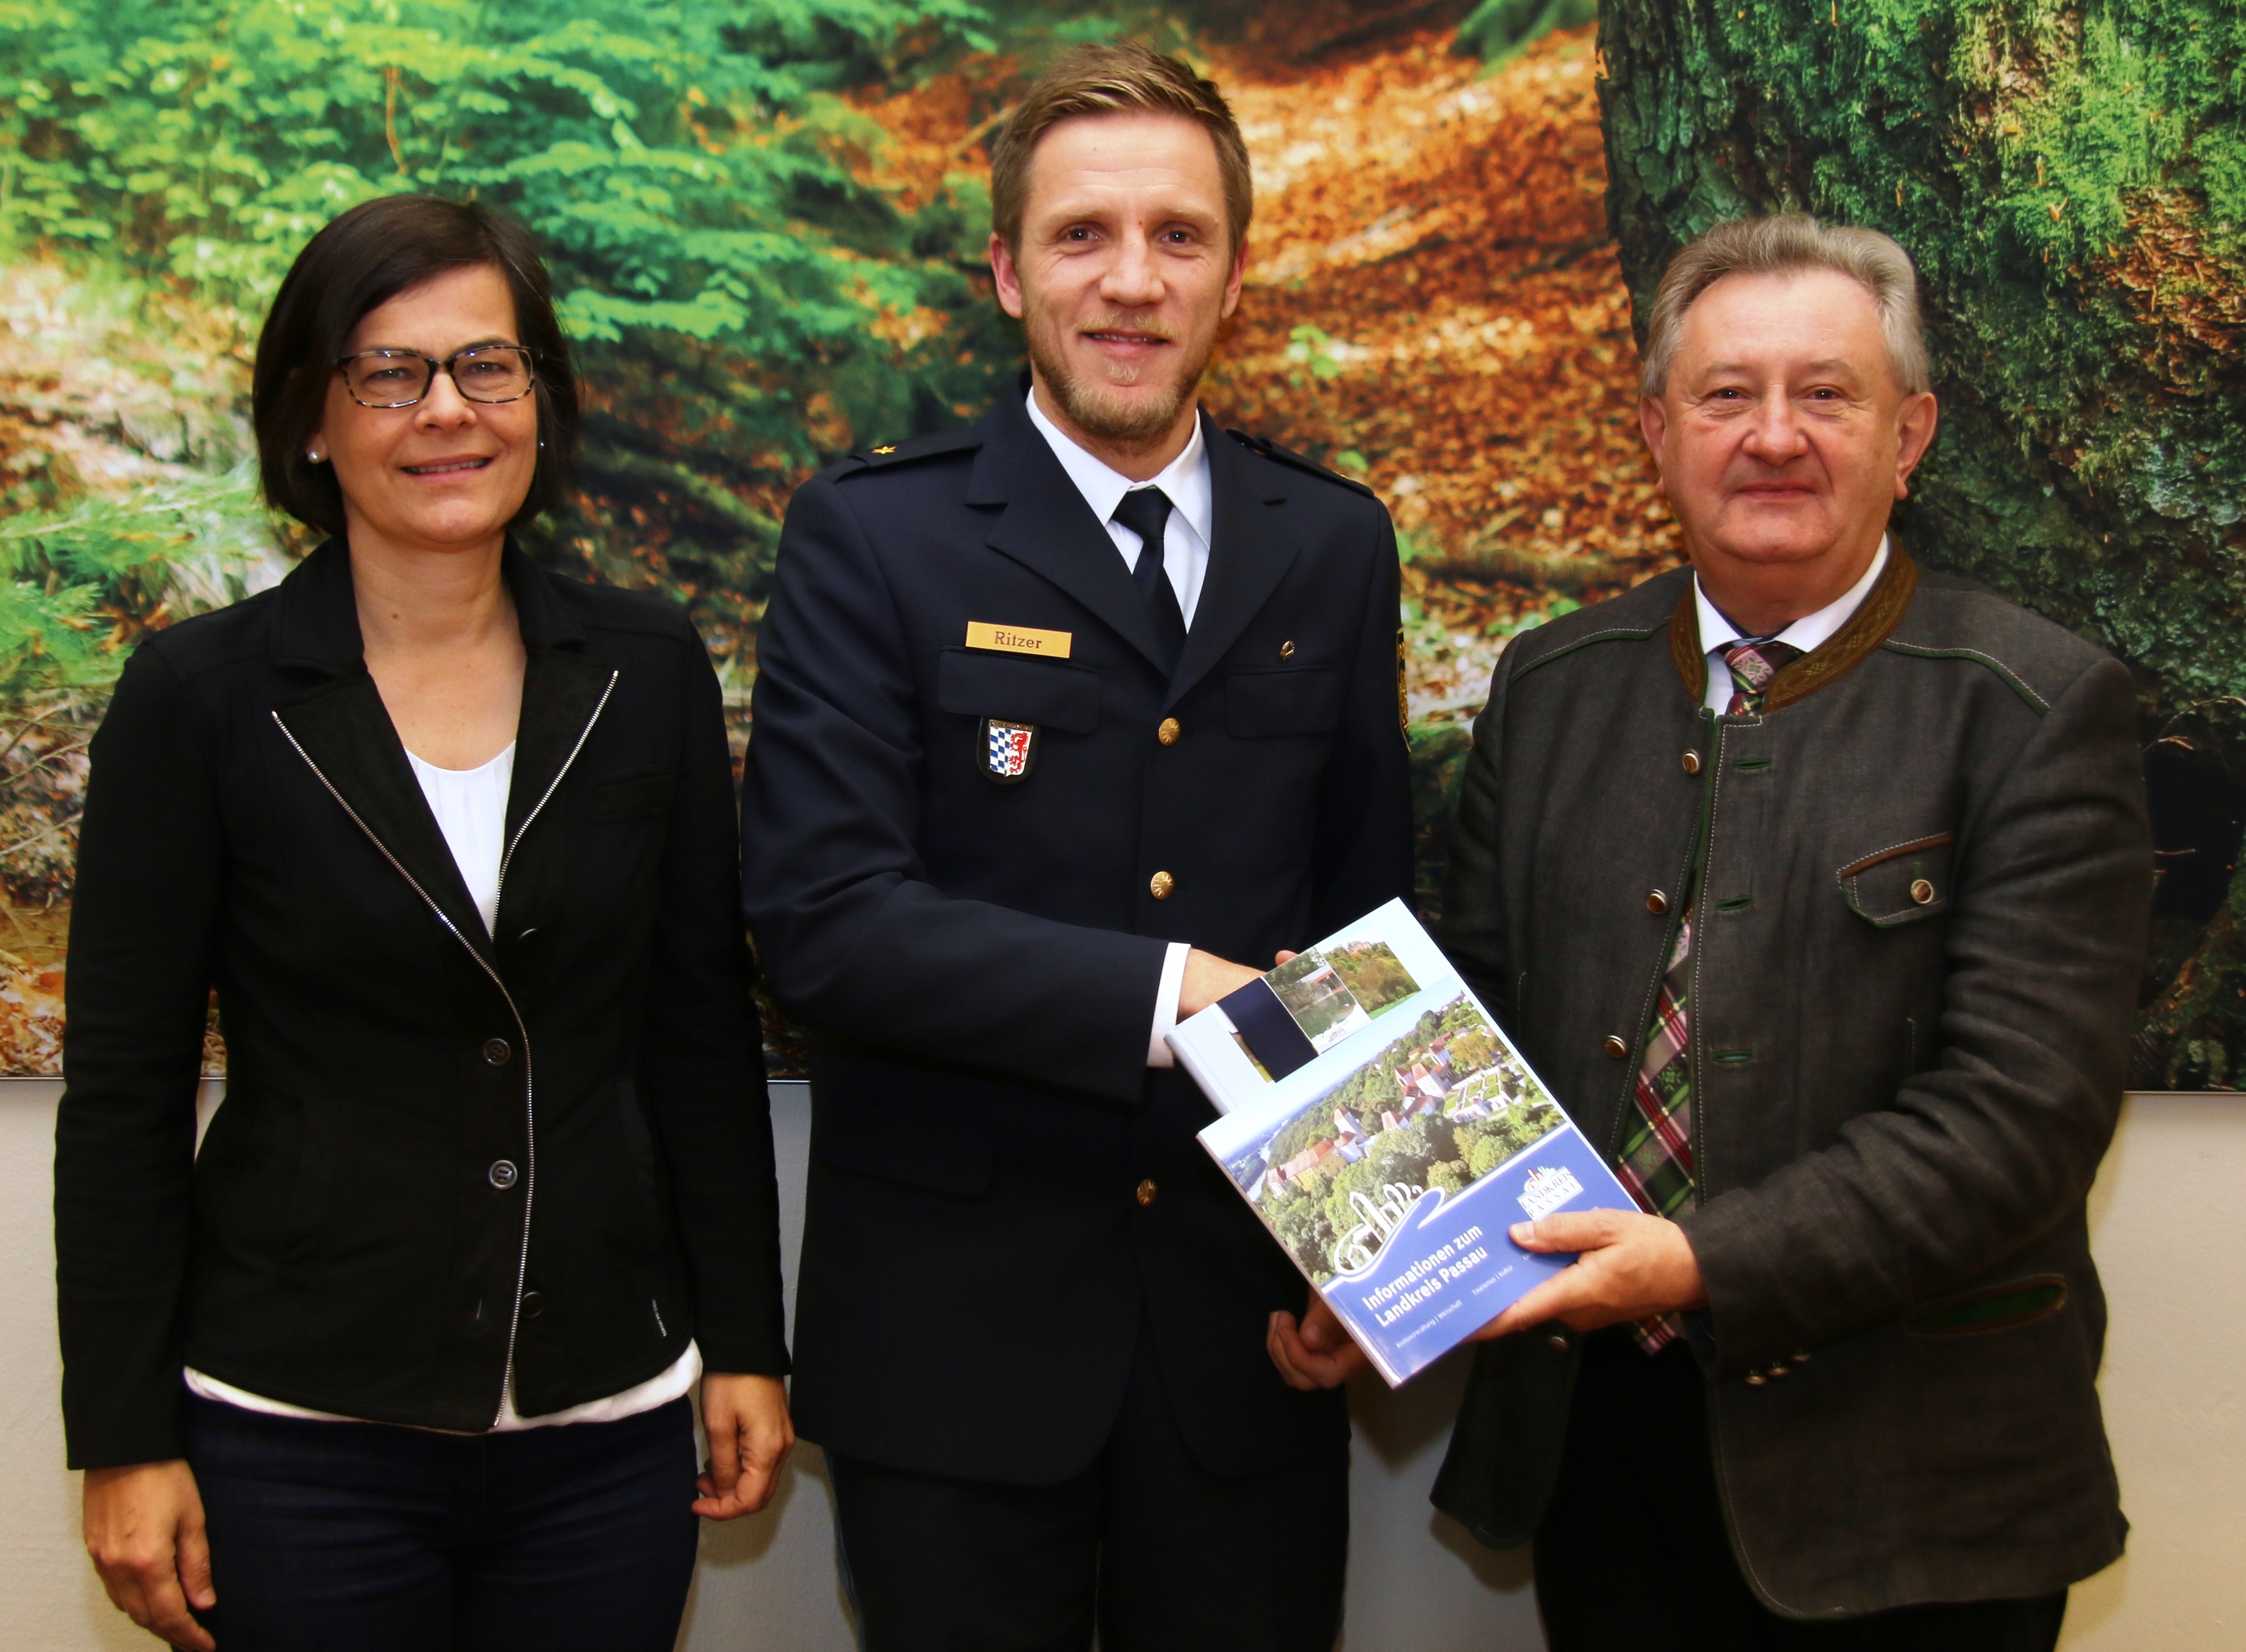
(447, 1158)
(1000, 1191)
(1919, 880)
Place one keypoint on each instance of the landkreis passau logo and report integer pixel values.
(1549, 1187)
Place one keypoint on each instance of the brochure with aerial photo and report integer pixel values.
(1389, 1134)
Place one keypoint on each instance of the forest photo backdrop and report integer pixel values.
(766, 221)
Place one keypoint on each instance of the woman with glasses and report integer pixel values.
(402, 1357)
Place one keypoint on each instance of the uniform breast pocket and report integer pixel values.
(1900, 883)
(1260, 704)
(1051, 694)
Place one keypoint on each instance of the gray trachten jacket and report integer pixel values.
(1921, 878)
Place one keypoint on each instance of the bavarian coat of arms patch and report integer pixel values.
(1009, 750)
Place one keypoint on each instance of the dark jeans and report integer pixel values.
(1632, 1553)
(356, 1537)
(1146, 1542)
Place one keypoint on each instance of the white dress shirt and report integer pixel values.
(1186, 539)
(1718, 633)
(1193, 505)
(471, 809)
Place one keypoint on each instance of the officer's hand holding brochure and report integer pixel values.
(1389, 1135)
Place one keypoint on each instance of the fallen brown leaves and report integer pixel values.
(1434, 306)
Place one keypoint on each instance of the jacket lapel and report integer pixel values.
(1048, 528)
(1247, 556)
(343, 731)
(562, 694)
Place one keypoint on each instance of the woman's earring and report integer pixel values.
(312, 456)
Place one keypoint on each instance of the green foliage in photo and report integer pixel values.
(2071, 180)
(77, 582)
(1374, 975)
(746, 302)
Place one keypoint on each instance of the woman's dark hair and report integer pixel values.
(359, 262)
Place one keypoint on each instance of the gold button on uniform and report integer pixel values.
(1147, 1192)
(1656, 901)
(1168, 731)
(1287, 650)
(1921, 892)
(1159, 885)
(1692, 763)
(1616, 1045)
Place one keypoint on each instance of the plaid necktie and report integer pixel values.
(1754, 661)
(1657, 1152)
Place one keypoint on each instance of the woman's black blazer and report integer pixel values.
(443, 1156)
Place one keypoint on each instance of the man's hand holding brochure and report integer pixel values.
(1405, 1157)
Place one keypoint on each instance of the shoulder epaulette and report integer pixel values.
(890, 454)
(1271, 450)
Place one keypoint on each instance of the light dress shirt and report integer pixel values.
(1186, 539)
(1718, 633)
(471, 809)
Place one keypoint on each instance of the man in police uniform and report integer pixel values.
(1065, 725)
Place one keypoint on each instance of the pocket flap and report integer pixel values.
(897, 1149)
(1993, 1307)
(1902, 882)
(646, 794)
(1052, 693)
(1261, 703)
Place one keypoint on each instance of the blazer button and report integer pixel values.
(1168, 731)
(1146, 1192)
(1692, 763)
(1656, 901)
(1616, 1045)
(1921, 892)
(503, 1174)
(1287, 650)
(496, 1052)
(533, 1304)
(1159, 885)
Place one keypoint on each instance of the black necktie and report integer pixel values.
(1145, 511)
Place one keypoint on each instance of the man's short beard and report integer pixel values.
(1098, 411)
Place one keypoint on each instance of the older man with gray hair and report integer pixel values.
(1815, 884)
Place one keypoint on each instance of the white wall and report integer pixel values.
(2170, 1217)
(2168, 1222)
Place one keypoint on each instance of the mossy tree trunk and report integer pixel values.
(2072, 180)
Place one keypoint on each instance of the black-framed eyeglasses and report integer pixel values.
(401, 377)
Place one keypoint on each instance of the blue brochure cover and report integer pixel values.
(1389, 1134)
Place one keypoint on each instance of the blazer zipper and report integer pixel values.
(521, 1028)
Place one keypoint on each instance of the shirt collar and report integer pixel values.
(1185, 478)
(1806, 633)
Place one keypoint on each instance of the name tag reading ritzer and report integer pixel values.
(1019, 639)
